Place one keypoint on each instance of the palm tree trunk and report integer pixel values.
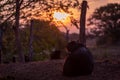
(82, 37)
(30, 42)
(0, 45)
(17, 33)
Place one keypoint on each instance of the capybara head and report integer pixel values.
(73, 45)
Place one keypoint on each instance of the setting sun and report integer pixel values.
(59, 16)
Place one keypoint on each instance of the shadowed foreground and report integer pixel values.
(52, 70)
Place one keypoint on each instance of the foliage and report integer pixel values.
(30, 8)
(8, 43)
(49, 34)
(7, 9)
(107, 23)
(11, 10)
(46, 37)
(21, 11)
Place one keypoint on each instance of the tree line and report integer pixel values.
(16, 13)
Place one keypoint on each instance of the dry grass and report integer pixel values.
(107, 67)
(106, 53)
(52, 70)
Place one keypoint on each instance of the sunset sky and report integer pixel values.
(93, 4)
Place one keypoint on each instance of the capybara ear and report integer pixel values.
(71, 46)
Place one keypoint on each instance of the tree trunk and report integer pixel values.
(67, 35)
(82, 36)
(17, 33)
(1, 44)
(67, 32)
(30, 42)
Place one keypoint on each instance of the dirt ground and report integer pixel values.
(52, 70)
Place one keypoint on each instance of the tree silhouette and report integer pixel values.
(14, 14)
(15, 10)
(16, 30)
(106, 20)
(31, 53)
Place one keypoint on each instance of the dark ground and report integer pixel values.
(52, 70)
